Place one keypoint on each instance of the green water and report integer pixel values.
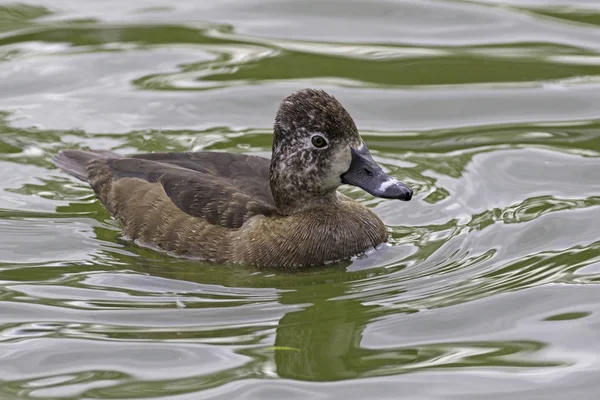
(489, 109)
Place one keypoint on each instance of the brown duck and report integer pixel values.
(235, 208)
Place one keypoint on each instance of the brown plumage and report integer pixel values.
(234, 208)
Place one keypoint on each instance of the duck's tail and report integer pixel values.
(74, 162)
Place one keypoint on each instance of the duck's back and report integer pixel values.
(240, 173)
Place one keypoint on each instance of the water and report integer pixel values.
(490, 109)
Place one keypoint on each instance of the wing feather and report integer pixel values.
(225, 189)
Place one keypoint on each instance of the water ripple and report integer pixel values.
(487, 108)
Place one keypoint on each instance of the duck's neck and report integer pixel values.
(294, 194)
(289, 203)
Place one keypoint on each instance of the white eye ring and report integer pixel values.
(318, 141)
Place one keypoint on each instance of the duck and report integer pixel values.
(284, 212)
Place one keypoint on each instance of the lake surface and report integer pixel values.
(489, 289)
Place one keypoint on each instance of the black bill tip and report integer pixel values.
(393, 189)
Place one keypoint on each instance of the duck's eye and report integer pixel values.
(318, 141)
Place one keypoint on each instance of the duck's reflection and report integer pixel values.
(320, 342)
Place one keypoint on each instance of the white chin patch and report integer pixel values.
(390, 182)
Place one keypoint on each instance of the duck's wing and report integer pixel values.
(249, 174)
(222, 188)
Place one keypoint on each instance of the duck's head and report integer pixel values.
(316, 148)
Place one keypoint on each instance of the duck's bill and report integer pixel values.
(366, 174)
